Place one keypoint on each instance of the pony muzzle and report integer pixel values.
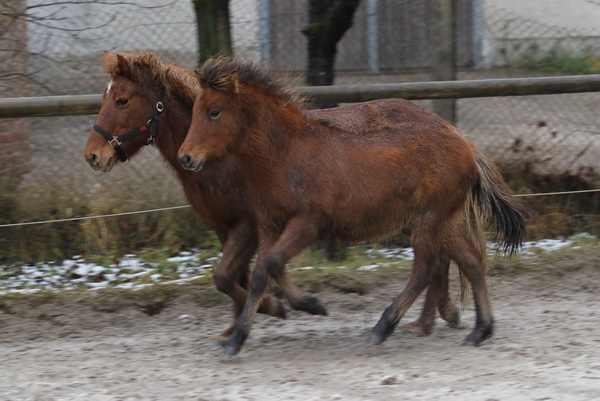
(188, 162)
(99, 163)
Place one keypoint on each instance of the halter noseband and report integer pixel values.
(151, 125)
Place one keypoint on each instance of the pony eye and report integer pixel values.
(122, 102)
(214, 113)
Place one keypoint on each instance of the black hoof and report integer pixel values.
(453, 319)
(311, 305)
(478, 335)
(228, 352)
(375, 339)
(230, 348)
(281, 313)
(380, 332)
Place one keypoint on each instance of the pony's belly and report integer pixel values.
(365, 227)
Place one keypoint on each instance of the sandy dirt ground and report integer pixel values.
(546, 347)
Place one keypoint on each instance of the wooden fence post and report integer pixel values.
(442, 39)
(14, 132)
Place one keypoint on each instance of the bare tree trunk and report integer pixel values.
(328, 21)
(214, 32)
(14, 132)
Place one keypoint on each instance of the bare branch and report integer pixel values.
(111, 3)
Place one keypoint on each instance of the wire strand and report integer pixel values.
(95, 217)
(161, 209)
(582, 191)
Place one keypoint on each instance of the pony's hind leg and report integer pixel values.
(298, 299)
(427, 267)
(437, 295)
(472, 261)
(448, 310)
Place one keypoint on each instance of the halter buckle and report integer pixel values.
(159, 106)
(113, 141)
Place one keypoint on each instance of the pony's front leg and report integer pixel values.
(231, 273)
(297, 235)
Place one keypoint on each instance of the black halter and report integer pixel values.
(151, 125)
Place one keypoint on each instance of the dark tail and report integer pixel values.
(500, 207)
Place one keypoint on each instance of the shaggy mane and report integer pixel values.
(219, 72)
(147, 69)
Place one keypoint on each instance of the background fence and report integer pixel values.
(56, 49)
(388, 43)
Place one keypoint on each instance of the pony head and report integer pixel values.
(226, 111)
(132, 105)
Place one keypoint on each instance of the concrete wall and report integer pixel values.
(569, 14)
(491, 33)
(165, 26)
(521, 32)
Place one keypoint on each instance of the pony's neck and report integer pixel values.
(273, 127)
(172, 129)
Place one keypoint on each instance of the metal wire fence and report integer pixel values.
(555, 134)
(549, 134)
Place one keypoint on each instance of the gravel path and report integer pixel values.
(546, 347)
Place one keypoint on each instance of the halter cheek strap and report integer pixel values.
(151, 125)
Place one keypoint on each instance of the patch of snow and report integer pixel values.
(77, 272)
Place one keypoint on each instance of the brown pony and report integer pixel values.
(147, 101)
(307, 181)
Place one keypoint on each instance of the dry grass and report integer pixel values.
(556, 215)
(116, 236)
(551, 217)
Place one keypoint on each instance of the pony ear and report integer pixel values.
(228, 83)
(109, 62)
(234, 82)
(123, 66)
(201, 79)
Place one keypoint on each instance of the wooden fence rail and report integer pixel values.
(90, 104)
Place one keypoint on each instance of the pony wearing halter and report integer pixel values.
(140, 85)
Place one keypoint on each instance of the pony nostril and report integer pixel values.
(186, 160)
(93, 159)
